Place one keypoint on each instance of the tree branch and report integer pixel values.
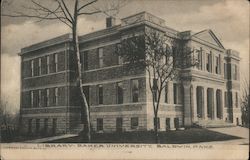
(63, 11)
(89, 3)
(89, 13)
(67, 10)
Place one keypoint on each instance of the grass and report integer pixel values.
(192, 135)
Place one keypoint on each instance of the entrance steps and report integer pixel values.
(213, 123)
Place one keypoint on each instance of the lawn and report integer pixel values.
(192, 135)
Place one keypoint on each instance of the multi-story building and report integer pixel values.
(119, 98)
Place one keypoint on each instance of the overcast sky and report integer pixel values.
(229, 20)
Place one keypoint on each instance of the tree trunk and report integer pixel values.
(85, 106)
(156, 128)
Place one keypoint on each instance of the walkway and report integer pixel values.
(234, 131)
(48, 139)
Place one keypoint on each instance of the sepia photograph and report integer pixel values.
(124, 79)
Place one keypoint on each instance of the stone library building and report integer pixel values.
(120, 99)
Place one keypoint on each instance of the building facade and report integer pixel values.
(120, 98)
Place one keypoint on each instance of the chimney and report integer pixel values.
(110, 22)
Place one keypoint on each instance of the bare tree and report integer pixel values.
(69, 16)
(245, 102)
(161, 56)
(8, 122)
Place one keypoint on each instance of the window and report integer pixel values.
(85, 60)
(30, 126)
(166, 93)
(157, 121)
(56, 62)
(209, 62)
(37, 125)
(32, 68)
(100, 56)
(217, 65)
(225, 71)
(39, 66)
(56, 96)
(236, 99)
(226, 99)
(167, 123)
(119, 124)
(32, 99)
(46, 125)
(235, 72)
(120, 60)
(135, 90)
(44, 65)
(54, 126)
(52, 63)
(39, 98)
(175, 93)
(100, 94)
(48, 70)
(134, 122)
(176, 122)
(199, 59)
(99, 125)
(230, 99)
(47, 98)
(119, 91)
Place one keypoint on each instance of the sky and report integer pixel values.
(228, 19)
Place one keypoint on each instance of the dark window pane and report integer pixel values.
(176, 122)
(46, 125)
(135, 90)
(134, 122)
(100, 56)
(119, 93)
(85, 61)
(37, 125)
(167, 123)
(54, 126)
(99, 124)
(166, 93)
(30, 126)
(100, 94)
(119, 124)
(175, 93)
